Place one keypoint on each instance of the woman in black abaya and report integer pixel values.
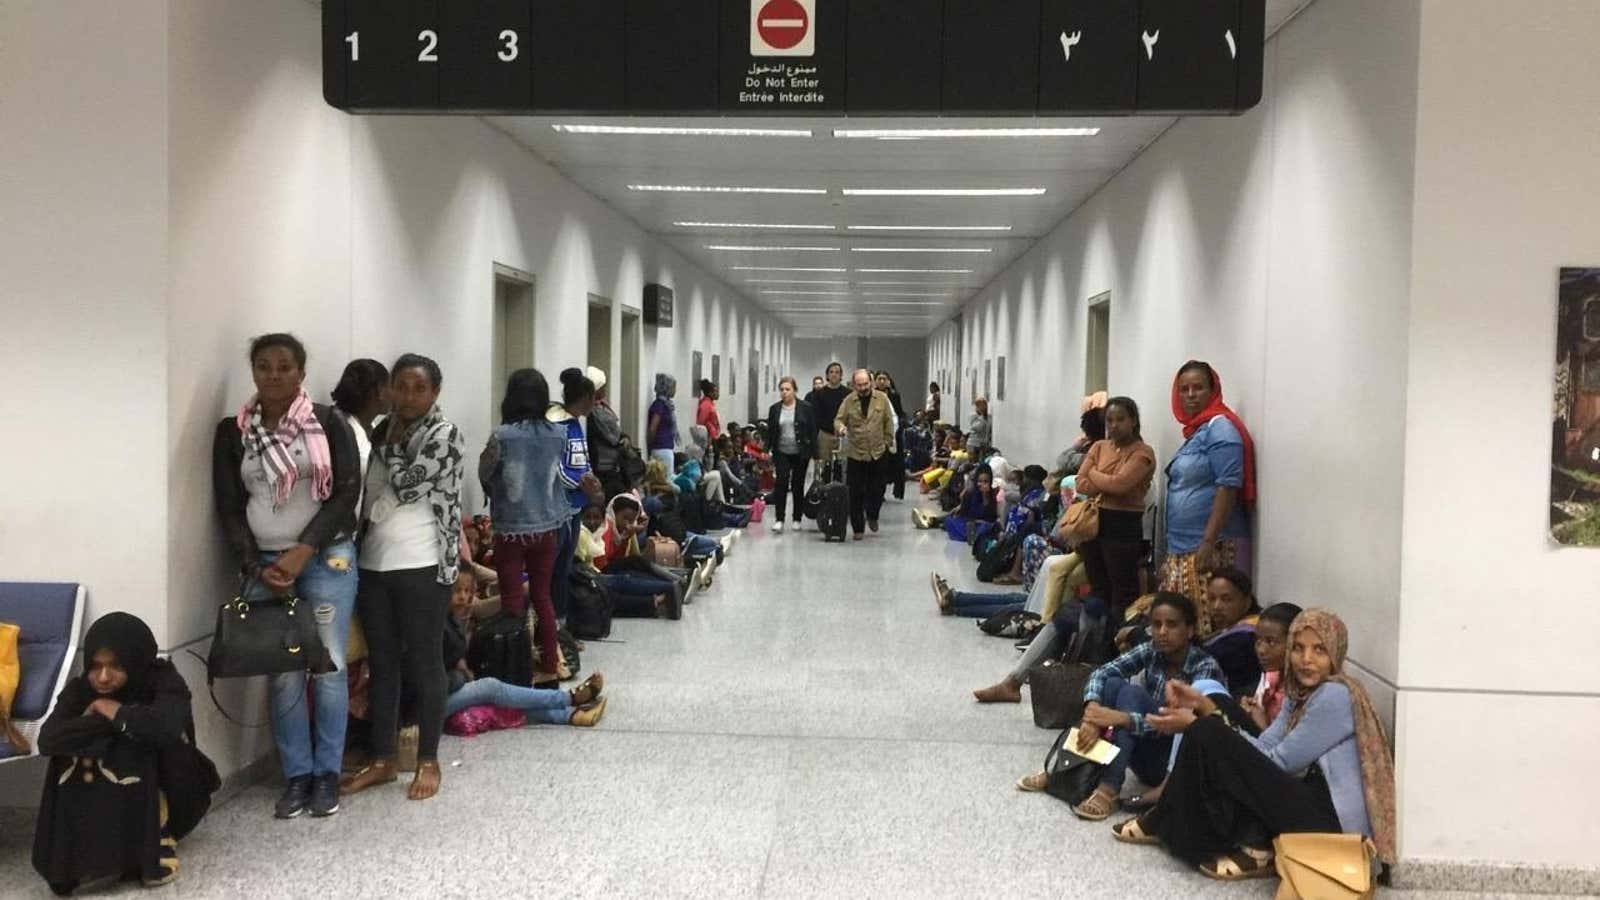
(125, 780)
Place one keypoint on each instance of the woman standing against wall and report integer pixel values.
(980, 429)
(287, 476)
(935, 400)
(792, 435)
(706, 414)
(1118, 470)
(1211, 481)
(661, 431)
(577, 400)
(409, 559)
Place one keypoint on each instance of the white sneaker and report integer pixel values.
(777, 528)
(727, 542)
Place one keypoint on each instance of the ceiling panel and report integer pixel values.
(1069, 169)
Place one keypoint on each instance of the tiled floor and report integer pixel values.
(805, 731)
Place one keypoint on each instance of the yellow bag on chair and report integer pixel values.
(10, 666)
(1324, 866)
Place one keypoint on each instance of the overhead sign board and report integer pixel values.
(801, 57)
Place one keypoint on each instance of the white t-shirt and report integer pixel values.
(278, 529)
(400, 535)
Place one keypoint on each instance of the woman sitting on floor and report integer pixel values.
(1023, 521)
(1324, 766)
(582, 706)
(1122, 693)
(125, 780)
(978, 507)
(1231, 604)
(642, 588)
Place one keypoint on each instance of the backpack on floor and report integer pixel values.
(591, 608)
(502, 647)
(997, 556)
(1008, 623)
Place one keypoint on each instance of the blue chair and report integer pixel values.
(51, 617)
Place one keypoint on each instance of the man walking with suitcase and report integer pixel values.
(866, 422)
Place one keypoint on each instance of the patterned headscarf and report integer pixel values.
(1377, 766)
(666, 386)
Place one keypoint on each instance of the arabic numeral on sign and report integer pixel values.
(430, 45)
(354, 40)
(509, 52)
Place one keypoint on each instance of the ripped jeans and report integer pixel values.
(328, 585)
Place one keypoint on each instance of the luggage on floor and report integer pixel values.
(758, 509)
(997, 556)
(502, 647)
(592, 607)
(1008, 623)
(1072, 777)
(833, 511)
(1056, 689)
(663, 551)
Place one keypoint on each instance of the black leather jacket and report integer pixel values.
(805, 428)
(334, 523)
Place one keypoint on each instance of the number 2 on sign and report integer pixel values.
(430, 45)
(509, 53)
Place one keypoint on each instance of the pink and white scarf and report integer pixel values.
(277, 460)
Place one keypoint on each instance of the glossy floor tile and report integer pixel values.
(806, 731)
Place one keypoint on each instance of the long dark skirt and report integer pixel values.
(1223, 793)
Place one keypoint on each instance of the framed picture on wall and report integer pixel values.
(987, 365)
(716, 368)
(1000, 379)
(733, 376)
(695, 374)
(1575, 441)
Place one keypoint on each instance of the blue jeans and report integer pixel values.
(982, 606)
(328, 586)
(544, 706)
(1146, 753)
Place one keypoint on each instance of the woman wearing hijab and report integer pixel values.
(1211, 482)
(287, 478)
(125, 781)
(661, 431)
(1323, 766)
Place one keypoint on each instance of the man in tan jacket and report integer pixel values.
(866, 421)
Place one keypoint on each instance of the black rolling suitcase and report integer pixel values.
(833, 502)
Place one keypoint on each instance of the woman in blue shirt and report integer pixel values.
(1210, 485)
(1122, 693)
(1323, 766)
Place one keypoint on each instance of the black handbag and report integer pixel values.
(1072, 778)
(265, 637)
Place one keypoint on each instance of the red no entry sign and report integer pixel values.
(782, 27)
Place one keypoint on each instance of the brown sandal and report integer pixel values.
(1131, 831)
(1097, 807)
(586, 693)
(421, 790)
(1038, 781)
(379, 771)
(1239, 865)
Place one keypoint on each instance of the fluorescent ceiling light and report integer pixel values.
(921, 249)
(752, 225)
(753, 249)
(672, 131)
(915, 271)
(808, 293)
(928, 227)
(914, 134)
(944, 192)
(718, 189)
(877, 294)
(787, 281)
(953, 285)
(783, 269)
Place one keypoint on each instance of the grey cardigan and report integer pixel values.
(1326, 736)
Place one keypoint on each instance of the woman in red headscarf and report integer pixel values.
(1211, 483)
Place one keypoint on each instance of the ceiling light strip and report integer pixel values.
(741, 248)
(912, 134)
(914, 271)
(719, 189)
(674, 131)
(928, 227)
(753, 225)
(945, 192)
(785, 269)
(921, 249)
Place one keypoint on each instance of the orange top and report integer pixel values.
(1119, 476)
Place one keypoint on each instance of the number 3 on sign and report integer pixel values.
(509, 53)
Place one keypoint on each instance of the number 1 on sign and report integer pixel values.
(354, 40)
